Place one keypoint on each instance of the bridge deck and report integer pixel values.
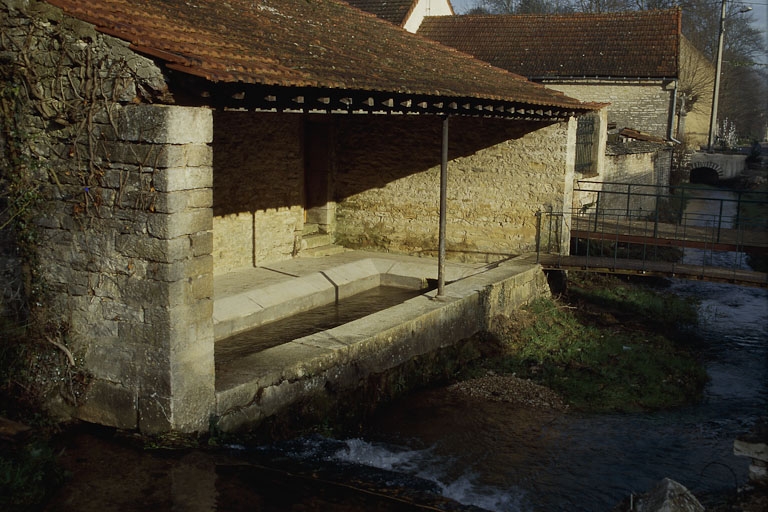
(651, 268)
(669, 235)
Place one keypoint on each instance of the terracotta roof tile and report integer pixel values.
(632, 44)
(303, 43)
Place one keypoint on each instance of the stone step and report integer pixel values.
(315, 240)
(310, 229)
(323, 250)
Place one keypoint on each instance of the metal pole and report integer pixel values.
(538, 235)
(718, 69)
(443, 203)
(597, 209)
(719, 221)
(629, 195)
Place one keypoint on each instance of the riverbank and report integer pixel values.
(606, 345)
(584, 310)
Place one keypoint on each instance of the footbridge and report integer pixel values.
(692, 233)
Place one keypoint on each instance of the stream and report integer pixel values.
(500, 457)
(440, 451)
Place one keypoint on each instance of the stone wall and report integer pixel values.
(642, 105)
(727, 166)
(119, 242)
(258, 188)
(139, 284)
(635, 172)
(500, 173)
(132, 220)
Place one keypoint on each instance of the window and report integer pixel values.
(585, 145)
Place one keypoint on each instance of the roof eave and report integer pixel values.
(319, 100)
(663, 78)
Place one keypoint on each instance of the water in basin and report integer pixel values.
(309, 322)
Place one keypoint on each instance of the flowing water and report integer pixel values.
(497, 456)
(471, 453)
(500, 457)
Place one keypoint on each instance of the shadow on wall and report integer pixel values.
(258, 158)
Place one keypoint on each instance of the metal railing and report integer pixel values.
(618, 224)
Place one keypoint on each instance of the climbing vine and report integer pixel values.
(19, 193)
(61, 86)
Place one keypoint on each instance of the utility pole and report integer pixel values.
(718, 69)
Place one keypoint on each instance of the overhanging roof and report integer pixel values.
(316, 55)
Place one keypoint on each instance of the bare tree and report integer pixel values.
(499, 6)
(605, 6)
(744, 100)
(521, 7)
(697, 79)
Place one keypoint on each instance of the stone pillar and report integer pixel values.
(565, 205)
(161, 364)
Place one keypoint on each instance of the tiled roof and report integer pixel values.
(303, 43)
(633, 44)
(394, 11)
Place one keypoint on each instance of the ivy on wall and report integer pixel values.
(60, 86)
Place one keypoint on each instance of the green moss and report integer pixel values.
(599, 362)
(632, 302)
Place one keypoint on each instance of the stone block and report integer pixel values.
(155, 414)
(191, 326)
(193, 382)
(109, 403)
(120, 312)
(156, 156)
(143, 291)
(202, 243)
(165, 124)
(90, 322)
(202, 287)
(153, 249)
(182, 269)
(179, 327)
(178, 201)
(232, 241)
(183, 178)
(113, 359)
(173, 225)
(146, 334)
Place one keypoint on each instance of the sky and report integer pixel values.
(759, 15)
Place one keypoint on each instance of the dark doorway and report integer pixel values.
(318, 161)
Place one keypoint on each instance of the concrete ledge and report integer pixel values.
(262, 384)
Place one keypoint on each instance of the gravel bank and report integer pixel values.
(511, 389)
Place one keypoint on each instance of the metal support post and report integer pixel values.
(443, 204)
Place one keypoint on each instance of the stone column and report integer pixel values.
(161, 364)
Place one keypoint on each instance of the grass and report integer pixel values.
(28, 475)
(28, 469)
(602, 348)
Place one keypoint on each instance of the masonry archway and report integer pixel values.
(709, 175)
